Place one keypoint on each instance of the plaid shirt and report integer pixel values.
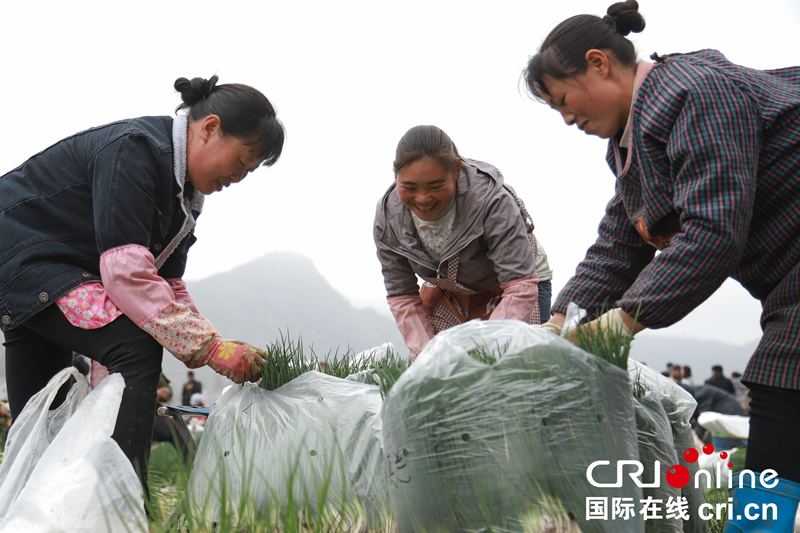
(712, 178)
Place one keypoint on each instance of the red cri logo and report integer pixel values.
(678, 476)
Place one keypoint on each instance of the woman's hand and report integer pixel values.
(615, 321)
(555, 324)
(236, 360)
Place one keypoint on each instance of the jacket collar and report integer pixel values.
(642, 70)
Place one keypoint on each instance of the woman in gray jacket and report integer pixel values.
(455, 224)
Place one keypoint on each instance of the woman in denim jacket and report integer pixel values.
(454, 223)
(96, 229)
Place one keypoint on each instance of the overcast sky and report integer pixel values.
(348, 79)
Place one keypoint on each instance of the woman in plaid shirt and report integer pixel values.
(707, 159)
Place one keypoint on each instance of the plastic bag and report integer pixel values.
(33, 431)
(315, 433)
(83, 482)
(663, 411)
(729, 425)
(476, 445)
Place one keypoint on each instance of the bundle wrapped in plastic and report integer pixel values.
(663, 410)
(493, 428)
(313, 441)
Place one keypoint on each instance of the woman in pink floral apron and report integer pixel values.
(454, 223)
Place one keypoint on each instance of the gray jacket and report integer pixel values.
(489, 234)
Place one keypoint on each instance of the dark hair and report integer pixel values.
(687, 371)
(563, 52)
(426, 141)
(244, 113)
(717, 368)
(736, 374)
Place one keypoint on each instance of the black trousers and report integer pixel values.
(43, 345)
(774, 431)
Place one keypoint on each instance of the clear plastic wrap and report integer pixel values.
(476, 445)
(313, 441)
(663, 411)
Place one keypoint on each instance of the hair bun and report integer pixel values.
(625, 17)
(194, 90)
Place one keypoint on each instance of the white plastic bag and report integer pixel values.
(315, 433)
(718, 424)
(33, 431)
(83, 482)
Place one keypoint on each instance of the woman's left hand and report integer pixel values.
(615, 321)
(236, 360)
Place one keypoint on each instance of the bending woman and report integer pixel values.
(96, 230)
(454, 223)
(707, 159)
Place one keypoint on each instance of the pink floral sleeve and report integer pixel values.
(132, 281)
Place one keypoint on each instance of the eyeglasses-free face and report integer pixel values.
(426, 187)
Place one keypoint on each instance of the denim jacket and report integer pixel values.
(91, 192)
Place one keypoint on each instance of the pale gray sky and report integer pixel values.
(348, 79)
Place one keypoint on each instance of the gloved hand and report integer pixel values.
(552, 328)
(235, 359)
(609, 322)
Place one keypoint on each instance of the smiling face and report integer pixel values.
(214, 160)
(426, 187)
(597, 101)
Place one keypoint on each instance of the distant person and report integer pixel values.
(197, 400)
(714, 399)
(719, 380)
(456, 224)
(739, 387)
(96, 231)
(677, 374)
(190, 387)
(711, 398)
(687, 378)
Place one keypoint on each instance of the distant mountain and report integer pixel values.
(282, 292)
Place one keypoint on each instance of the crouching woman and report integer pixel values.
(96, 230)
(454, 223)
